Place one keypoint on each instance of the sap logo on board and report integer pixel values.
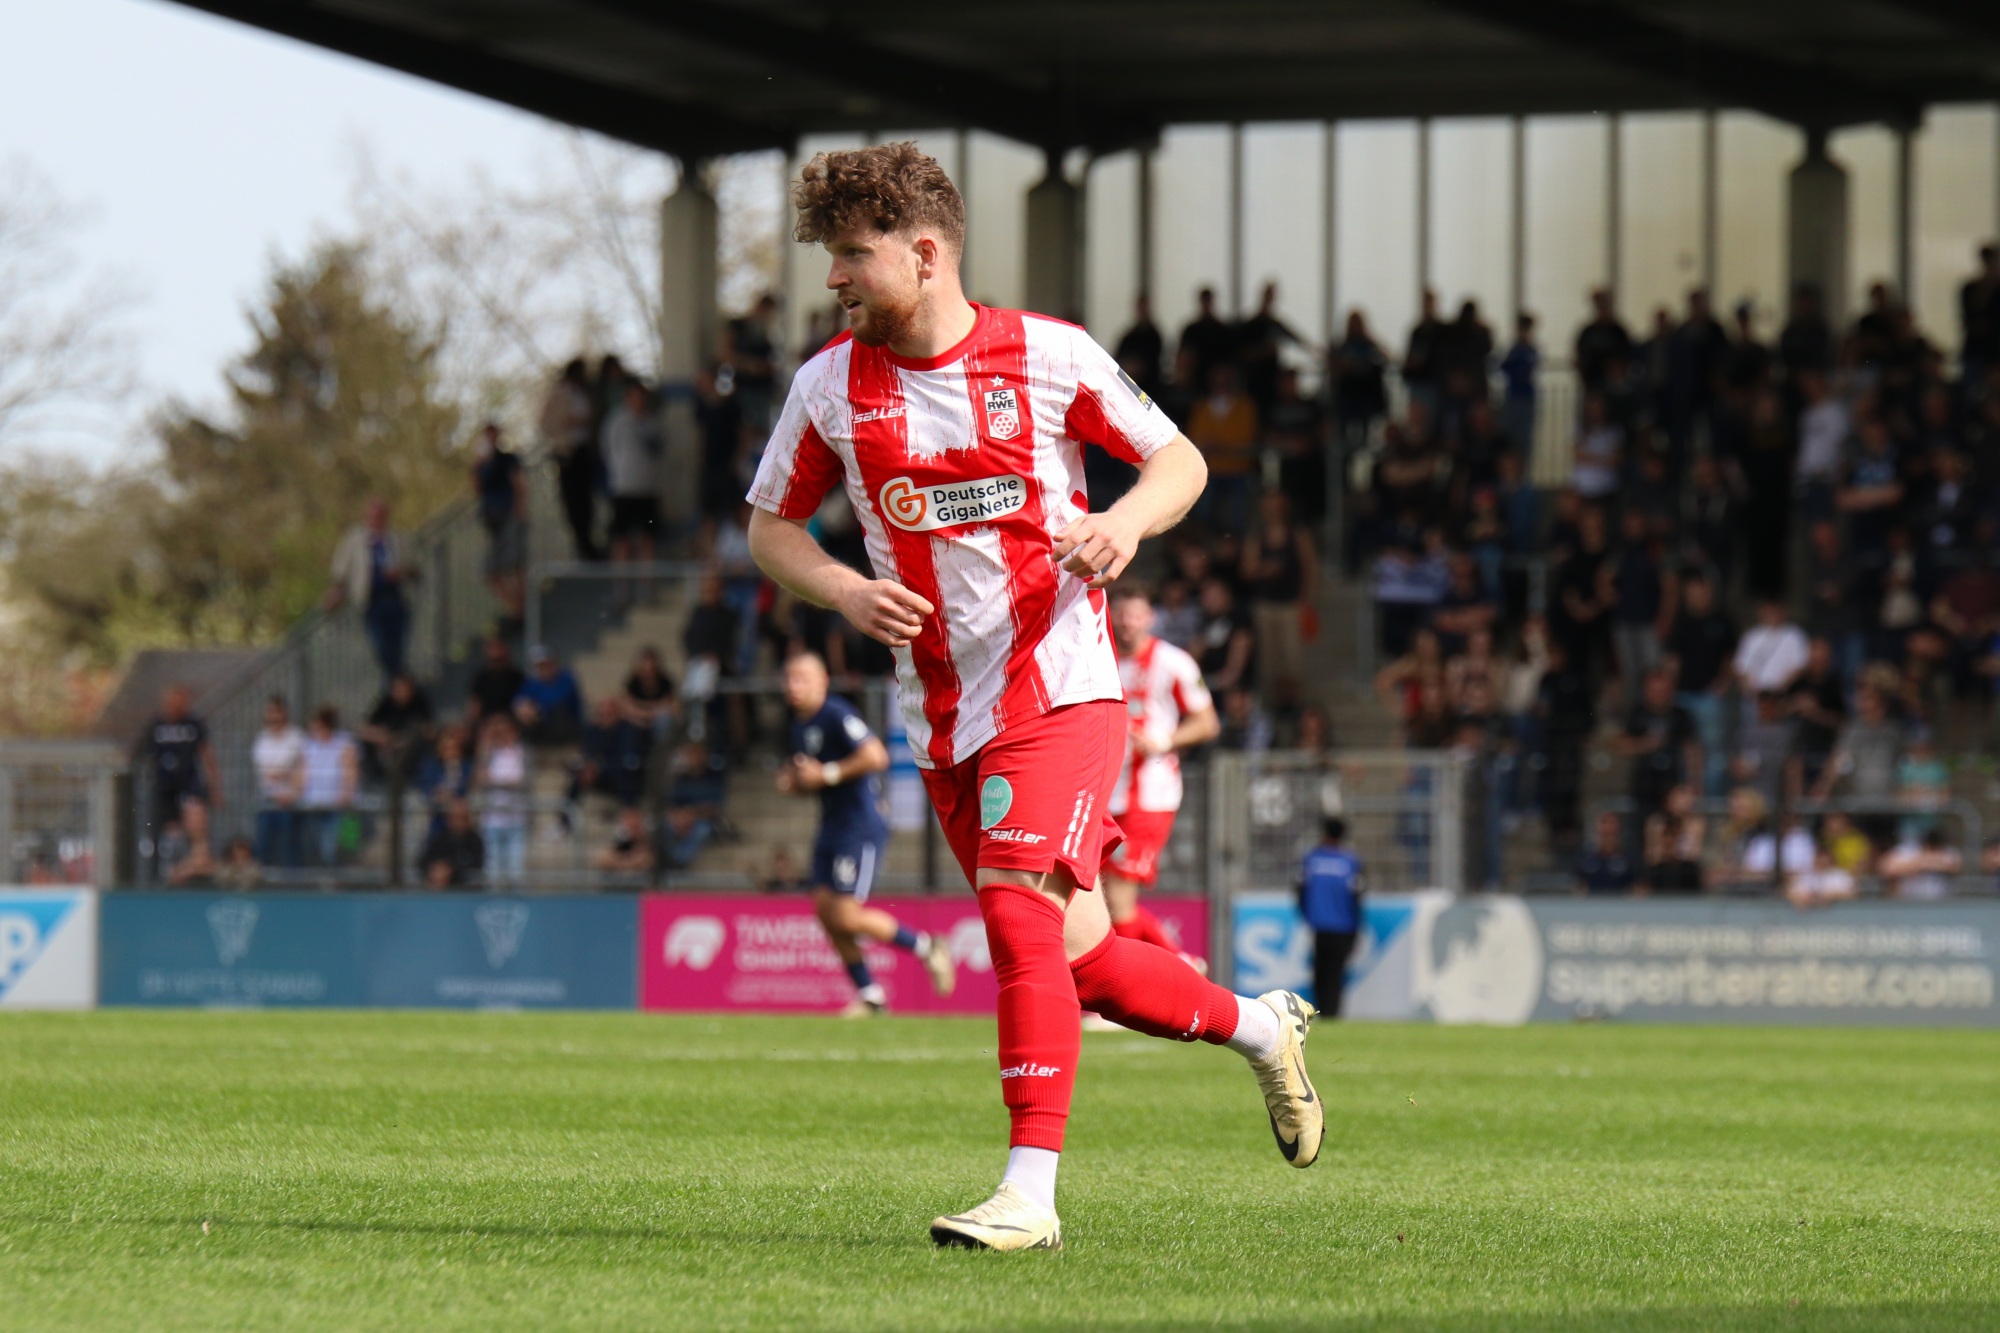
(500, 927)
(695, 941)
(24, 931)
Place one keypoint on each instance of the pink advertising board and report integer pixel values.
(711, 952)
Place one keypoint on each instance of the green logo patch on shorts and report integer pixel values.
(996, 798)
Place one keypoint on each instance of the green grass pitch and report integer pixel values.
(404, 1171)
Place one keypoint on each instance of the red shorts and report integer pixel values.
(1138, 857)
(1034, 797)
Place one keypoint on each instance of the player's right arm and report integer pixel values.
(797, 472)
(879, 608)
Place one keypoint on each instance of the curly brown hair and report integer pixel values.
(889, 187)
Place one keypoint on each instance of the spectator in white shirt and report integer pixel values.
(279, 758)
(1921, 871)
(1822, 885)
(1824, 426)
(330, 767)
(1773, 653)
(502, 783)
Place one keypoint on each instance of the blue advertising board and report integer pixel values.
(387, 950)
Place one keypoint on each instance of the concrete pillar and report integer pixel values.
(1055, 269)
(1235, 287)
(1329, 208)
(1517, 217)
(1614, 207)
(1906, 228)
(1816, 228)
(690, 322)
(1711, 203)
(1423, 209)
(1144, 223)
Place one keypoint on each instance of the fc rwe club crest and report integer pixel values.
(1003, 414)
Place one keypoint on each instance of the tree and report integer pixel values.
(226, 540)
(63, 357)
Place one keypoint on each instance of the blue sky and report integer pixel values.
(198, 149)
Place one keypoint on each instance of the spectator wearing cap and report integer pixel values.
(549, 705)
(371, 568)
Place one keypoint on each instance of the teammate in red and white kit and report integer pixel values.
(957, 432)
(1168, 709)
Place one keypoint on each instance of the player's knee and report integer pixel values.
(1085, 925)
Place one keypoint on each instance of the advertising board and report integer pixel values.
(1498, 959)
(48, 948)
(768, 953)
(392, 950)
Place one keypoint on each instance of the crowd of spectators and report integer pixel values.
(1843, 485)
(1764, 591)
(525, 760)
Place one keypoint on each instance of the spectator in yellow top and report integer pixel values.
(1224, 427)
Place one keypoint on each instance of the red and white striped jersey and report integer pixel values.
(1163, 687)
(963, 468)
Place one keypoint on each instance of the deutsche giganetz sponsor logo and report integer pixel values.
(695, 941)
(232, 923)
(500, 928)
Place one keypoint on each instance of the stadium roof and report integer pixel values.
(702, 77)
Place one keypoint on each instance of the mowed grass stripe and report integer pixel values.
(397, 1170)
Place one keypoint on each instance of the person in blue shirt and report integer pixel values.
(835, 756)
(549, 705)
(1330, 902)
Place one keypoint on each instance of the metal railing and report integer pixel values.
(1961, 813)
(58, 811)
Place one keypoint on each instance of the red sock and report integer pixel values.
(1152, 991)
(1143, 925)
(1039, 1034)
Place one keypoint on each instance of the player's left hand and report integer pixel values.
(1097, 547)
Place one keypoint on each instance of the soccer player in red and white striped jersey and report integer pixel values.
(1169, 709)
(957, 432)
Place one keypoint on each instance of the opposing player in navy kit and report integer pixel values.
(836, 755)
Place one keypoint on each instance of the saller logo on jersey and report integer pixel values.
(915, 508)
